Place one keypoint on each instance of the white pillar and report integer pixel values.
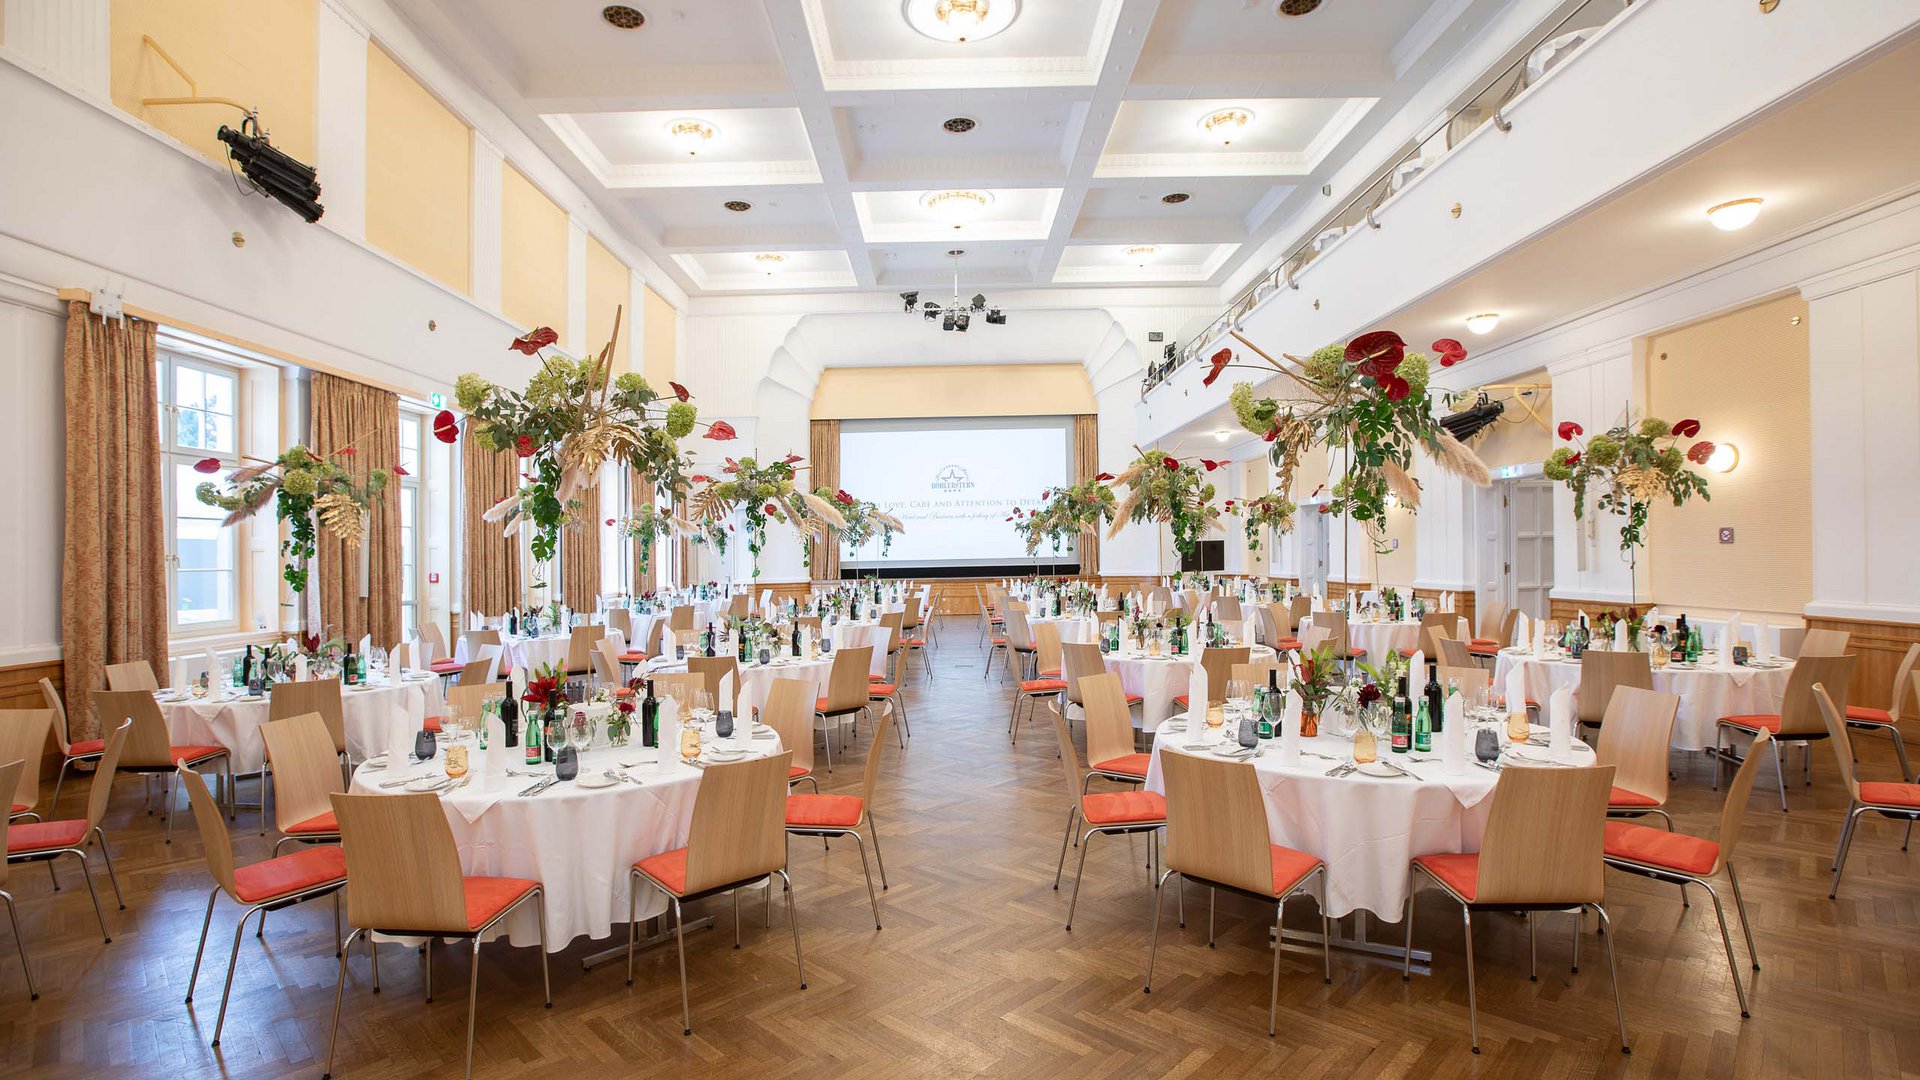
(487, 222)
(579, 342)
(1600, 388)
(1864, 343)
(1443, 529)
(70, 39)
(340, 135)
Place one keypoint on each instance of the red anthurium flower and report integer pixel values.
(721, 431)
(534, 340)
(1687, 429)
(1396, 387)
(1323, 508)
(1568, 429)
(679, 391)
(1172, 464)
(1376, 354)
(401, 470)
(793, 459)
(701, 478)
(609, 521)
(1048, 494)
(523, 446)
(1211, 465)
(445, 427)
(1104, 477)
(1699, 452)
(207, 465)
(1229, 505)
(1220, 360)
(1574, 460)
(840, 496)
(732, 466)
(1272, 434)
(772, 509)
(345, 451)
(1450, 350)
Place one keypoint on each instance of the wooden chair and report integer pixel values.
(1104, 812)
(476, 639)
(133, 675)
(71, 751)
(1600, 674)
(306, 776)
(321, 696)
(1110, 747)
(268, 885)
(846, 693)
(1824, 643)
(888, 688)
(1219, 664)
(1867, 718)
(739, 607)
(680, 618)
(621, 619)
(828, 816)
(1634, 740)
(1227, 609)
(1542, 851)
(407, 881)
(1799, 720)
(23, 737)
(1899, 801)
(1688, 860)
(918, 630)
(10, 774)
(480, 671)
(580, 648)
(1454, 653)
(1336, 626)
(639, 652)
(1466, 677)
(1496, 629)
(606, 667)
(680, 687)
(436, 645)
(1434, 625)
(713, 670)
(45, 841)
(467, 702)
(737, 838)
(149, 751)
(1022, 652)
(788, 713)
(1047, 682)
(1217, 836)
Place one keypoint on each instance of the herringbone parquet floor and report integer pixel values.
(974, 974)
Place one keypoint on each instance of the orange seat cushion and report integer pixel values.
(1180, 700)
(806, 810)
(1461, 872)
(87, 747)
(820, 706)
(487, 897)
(302, 870)
(431, 723)
(187, 755)
(18, 808)
(1658, 847)
(795, 772)
(880, 690)
(1042, 686)
(445, 665)
(622, 691)
(1000, 641)
(1125, 765)
(632, 657)
(668, 869)
(1753, 722)
(1123, 807)
(1881, 794)
(45, 835)
(1134, 699)
(1484, 643)
(1051, 673)
(1289, 866)
(1622, 799)
(915, 643)
(1865, 714)
(318, 823)
(1484, 650)
(1288, 644)
(1356, 654)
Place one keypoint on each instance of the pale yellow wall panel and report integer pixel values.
(261, 53)
(871, 393)
(419, 175)
(533, 255)
(1744, 377)
(608, 288)
(659, 363)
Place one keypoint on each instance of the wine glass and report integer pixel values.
(702, 706)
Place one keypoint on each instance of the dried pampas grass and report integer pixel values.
(1457, 458)
(823, 510)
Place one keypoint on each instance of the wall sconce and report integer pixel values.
(1724, 457)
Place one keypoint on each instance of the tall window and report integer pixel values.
(199, 418)
(411, 465)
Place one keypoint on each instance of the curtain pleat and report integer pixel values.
(354, 601)
(491, 560)
(823, 452)
(114, 573)
(1086, 465)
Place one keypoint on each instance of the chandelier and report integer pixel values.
(955, 315)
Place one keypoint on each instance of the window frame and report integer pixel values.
(411, 490)
(168, 362)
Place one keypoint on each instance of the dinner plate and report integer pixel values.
(725, 755)
(595, 780)
(426, 783)
(374, 763)
(1375, 768)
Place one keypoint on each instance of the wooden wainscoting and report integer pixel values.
(1562, 608)
(1880, 646)
(20, 689)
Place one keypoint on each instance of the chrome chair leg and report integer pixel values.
(1326, 932)
(1406, 954)
(871, 897)
(633, 889)
(86, 875)
(680, 936)
(1726, 942)
(1073, 817)
(1533, 952)
(205, 925)
(1613, 975)
(107, 857)
(1473, 1006)
(473, 1000)
(426, 953)
(59, 779)
(233, 961)
(1779, 773)
(20, 941)
(1086, 841)
(1740, 908)
(1273, 994)
(1153, 940)
(339, 985)
(1840, 854)
(874, 832)
(793, 920)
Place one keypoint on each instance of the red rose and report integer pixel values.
(1450, 350)
(1369, 694)
(1687, 429)
(842, 498)
(534, 340)
(523, 446)
(1568, 429)
(1376, 354)
(772, 509)
(1220, 360)
(1104, 477)
(1172, 464)
(445, 427)
(679, 391)
(1699, 452)
(207, 465)
(720, 431)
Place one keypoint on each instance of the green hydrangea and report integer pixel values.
(208, 493)
(1603, 451)
(1556, 467)
(296, 457)
(377, 479)
(1254, 414)
(1326, 368)
(483, 436)
(1415, 368)
(679, 419)
(1655, 428)
(470, 392)
(631, 383)
(300, 482)
(1672, 460)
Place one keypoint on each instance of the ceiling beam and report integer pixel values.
(795, 43)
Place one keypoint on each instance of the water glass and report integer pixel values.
(1486, 744)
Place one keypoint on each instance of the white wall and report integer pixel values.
(33, 486)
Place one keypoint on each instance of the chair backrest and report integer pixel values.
(622, 620)
(1019, 635)
(847, 682)
(1109, 724)
(656, 634)
(10, 772)
(403, 863)
(1219, 664)
(580, 648)
(398, 657)
(475, 640)
(305, 771)
(606, 663)
(1453, 652)
(1079, 660)
(1903, 683)
(104, 770)
(1825, 643)
(681, 617)
(680, 687)
(1545, 833)
(1298, 609)
(1507, 623)
(1735, 808)
(1194, 600)
(1069, 758)
(739, 828)
(23, 737)
(1046, 647)
(1313, 637)
(1445, 623)
(133, 675)
(1217, 822)
(312, 696)
(476, 671)
(148, 745)
(738, 606)
(789, 712)
(1634, 737)
(1227, 609)
(1254, 672)
(62, 735)
(1600, 673)
(1335, 624)
(1493, 616)
(1834, 716)
(215, 844)
(1160, 598)
(895, 625)
(1799, 713)
(435, 641)
(1466, 677)
(712, 671)
(467, 699)
(882, 736)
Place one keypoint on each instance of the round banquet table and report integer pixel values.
(526, 652)
(756, 680)
(1073, 628)
(1158, 678)
(579, 843)
(1379, 638)
(229, 718)
(1707, 691)
(1366, 828)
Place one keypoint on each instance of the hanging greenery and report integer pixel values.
(1628, 467)
(648, 526)
(863, 520)
(1081, 509)
(1161, 488)
(1263, 512)
(306, 488)
(763, 493)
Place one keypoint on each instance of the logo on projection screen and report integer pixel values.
(952, 478)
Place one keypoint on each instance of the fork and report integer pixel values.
(616, 775)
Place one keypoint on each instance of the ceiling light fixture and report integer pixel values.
(1222, 435)
(1484, 322)
(1224, 125)
(1175, 198)
(959, 125)
(956, 315)
(690, 134)
(1294, 8)
(737, 206)
(1724, 457)
(957, 207)
(623, 17)
(1737, 214)
(769, 258)
(960, 21)
(1140, 253)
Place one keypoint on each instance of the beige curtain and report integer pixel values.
(580, 555)
(355, 601)
(491, 560)
(682, 550)
(1086, 466)
(823, 455)
(639, 497)
(113, 593)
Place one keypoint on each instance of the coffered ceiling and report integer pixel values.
(865, 150)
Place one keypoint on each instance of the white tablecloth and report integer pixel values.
(369, 716)
(1366, 828)
(1073, 628)
(756, 682)
(580, 843)
(1706, 693)
(1379, 638)
(529, 653)
(1158, 679)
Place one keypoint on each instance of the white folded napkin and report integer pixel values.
(215, 677)
(399, 748)
(1761, 650)
(1318, 603)
(1560, 724)
(1620, 636)
(1453, 735)
(300, 668)
(1247, 629)
(1197, 700)
(1727, 638)
(1290, 730)
(1540, 638)
(726, 693)
(1446, 601)
(496, 755)
(1522, 630)
(1517, 689)
(1417, 679)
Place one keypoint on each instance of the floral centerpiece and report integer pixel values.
(1604, 623)
(1161, 488)
(1627, 467)
(1262, 512)
(765, 493)
(306, 487)
(1313, 681)
(1073, 510)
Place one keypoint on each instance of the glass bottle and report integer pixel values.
(1402, 719)
(531, 740)
(1422, 728)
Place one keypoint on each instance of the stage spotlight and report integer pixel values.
(278, 176)
(946, 323)
(960, 322)
(995, 318)
(931, 311)
(979, 301)
(912, 299)
(1470, 421)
